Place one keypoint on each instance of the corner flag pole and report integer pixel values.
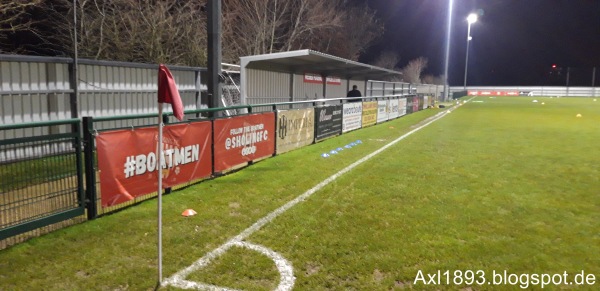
(167, 93)
(159, 167)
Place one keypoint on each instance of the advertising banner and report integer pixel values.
(352, 116)
(416, 104)
(242, 139)
(394, 111)
(402, 106)
(329, 121)
(409, 104)
(492, 93)
(317, 79)
(382, 111)
(128, 163)
(295, 128)
(369, 113)
(425, 102)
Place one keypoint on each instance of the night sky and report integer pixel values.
(515, 42)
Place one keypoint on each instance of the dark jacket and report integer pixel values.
(355, 94)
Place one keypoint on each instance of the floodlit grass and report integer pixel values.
(503, 184)
(119, 250)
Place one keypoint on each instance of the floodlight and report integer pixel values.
(472, 18)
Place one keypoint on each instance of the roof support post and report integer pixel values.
(347, 84)
(243, 81)
(292, 86)
(324, 78)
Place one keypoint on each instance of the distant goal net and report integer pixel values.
(230, 89)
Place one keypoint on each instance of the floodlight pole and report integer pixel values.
(472, 18)
(214, 54)
(568, 73)
(447, 57)
(593, 82)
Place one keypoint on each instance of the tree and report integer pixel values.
(412, 72)
(266, 26)
(168, 31)
(360, 28)
(313, 22)
(388, 60)
(174, 31)
(434, 80)
(15, 18)
(15, 14)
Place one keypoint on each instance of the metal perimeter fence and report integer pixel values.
(49, 176)
(41, 178)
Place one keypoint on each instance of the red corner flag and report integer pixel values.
(167, 91)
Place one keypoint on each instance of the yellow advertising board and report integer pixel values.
(369, 114)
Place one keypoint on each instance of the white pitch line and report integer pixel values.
(178, 279)
(286, 272)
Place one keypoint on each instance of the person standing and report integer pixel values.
(354, 94)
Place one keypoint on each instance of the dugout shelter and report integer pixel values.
(303, 75)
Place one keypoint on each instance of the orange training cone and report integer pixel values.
(189, 212)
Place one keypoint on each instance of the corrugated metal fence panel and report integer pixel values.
(582, 91)
(337, 90)
(345, 87)
(374, 89)
(187, 85)
(31, 92)
(263, 83)
(99, 96)
(381, 88)
(38, 89)
(304, 90)
(59, 88)
(114, 90)
(434, 91)
(26, 80)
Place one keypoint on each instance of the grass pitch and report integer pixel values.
(502, 184)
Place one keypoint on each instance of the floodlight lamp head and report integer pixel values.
(472, 18)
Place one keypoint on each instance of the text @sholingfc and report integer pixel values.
(524, 281)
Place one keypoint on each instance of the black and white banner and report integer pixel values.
(328, 121)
